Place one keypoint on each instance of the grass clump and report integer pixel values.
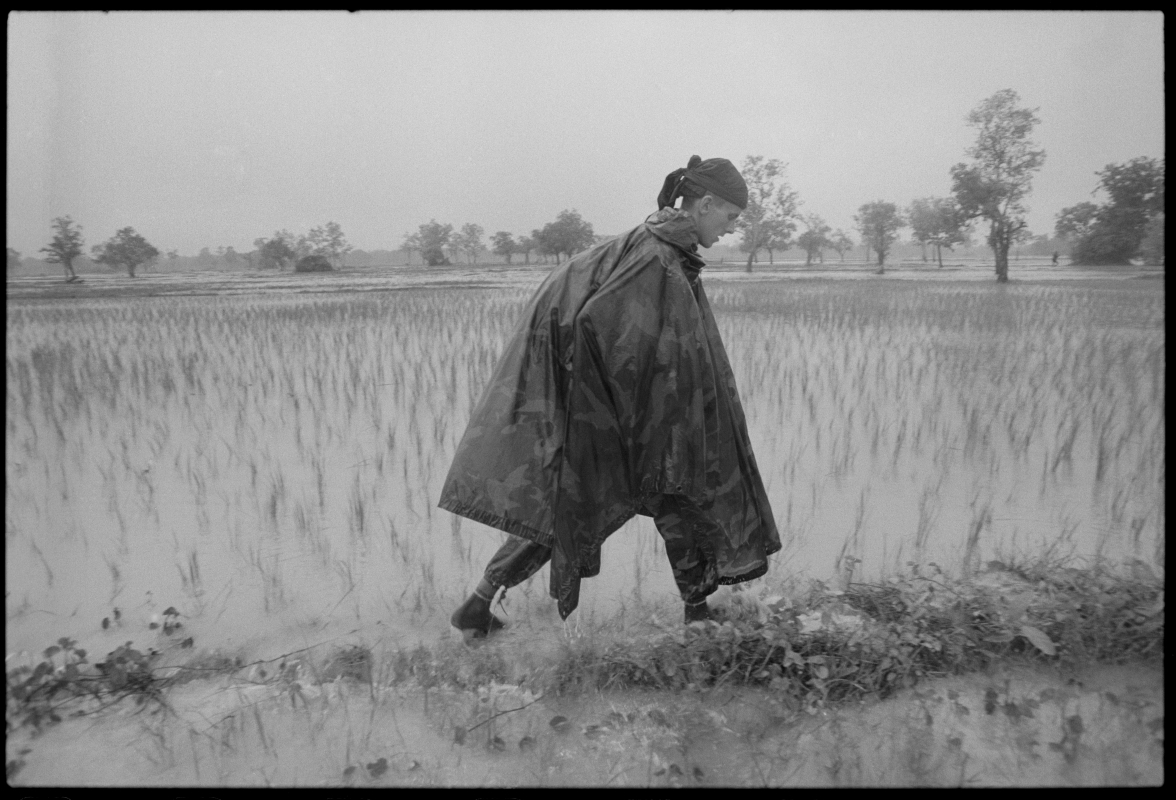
(873, 639)
(1099, 614)
(453, 665)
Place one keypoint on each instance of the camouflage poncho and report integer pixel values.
(614, 388)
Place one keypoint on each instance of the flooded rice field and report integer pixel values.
(268, 462)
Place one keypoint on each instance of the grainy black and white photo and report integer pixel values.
(633, 400)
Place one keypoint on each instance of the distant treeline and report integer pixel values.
(208, 260)
(986, 203)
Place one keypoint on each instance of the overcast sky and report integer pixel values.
(210, 129)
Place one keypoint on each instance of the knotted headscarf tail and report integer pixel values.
(716, 175)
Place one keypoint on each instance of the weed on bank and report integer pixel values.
(820, 648)
(873, 639)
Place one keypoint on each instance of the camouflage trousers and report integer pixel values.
(685, 529)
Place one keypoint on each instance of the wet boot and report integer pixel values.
(699, 612)
(474, 620)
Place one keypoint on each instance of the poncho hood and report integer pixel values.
(676, 227)
(614, 388)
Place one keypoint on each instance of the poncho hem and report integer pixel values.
(516, 528)
(485, 517)
(758, 572)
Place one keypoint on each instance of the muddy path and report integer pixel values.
(1009, 727)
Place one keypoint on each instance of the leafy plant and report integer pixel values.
(877, 638)
(35, 694)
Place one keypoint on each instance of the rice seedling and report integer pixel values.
(290, 449)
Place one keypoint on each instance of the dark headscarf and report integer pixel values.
(715, 175)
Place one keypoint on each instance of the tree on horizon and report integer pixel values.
(1004, 158)
(771, 207)
(879, 223)
(127, 250)
(66, 246)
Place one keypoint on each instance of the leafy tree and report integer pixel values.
(841, 242)
(126, 249)
(295, 244)
(279, 252)
(327, 241)
(524, 245)
(276, 252)
(311, 243)
(205, 257)
(921, 216)
(1004, 159)
(1152, 248)
(66, 246)
(1114, 232)
(12, 258)
(504, 245)
(432, 239)
(469, 241)
(315, 262)
(879, 223)
(815, 239)
(410, 245)
(454, 250)
(771, 207)
(1138, 184)
(779, 238)
(1113, 238)
(569, 234)
(937, 221)
(334, 244)
(537, 241)
(1074, 223)
(544, 243)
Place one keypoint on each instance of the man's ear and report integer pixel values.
(706, 203)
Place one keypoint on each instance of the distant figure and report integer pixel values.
(616, 398)
(1055, 258)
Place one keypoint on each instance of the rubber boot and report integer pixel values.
(698, 612)
(474, 620)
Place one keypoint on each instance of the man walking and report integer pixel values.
(615, 397)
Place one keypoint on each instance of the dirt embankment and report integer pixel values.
(983, 683)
